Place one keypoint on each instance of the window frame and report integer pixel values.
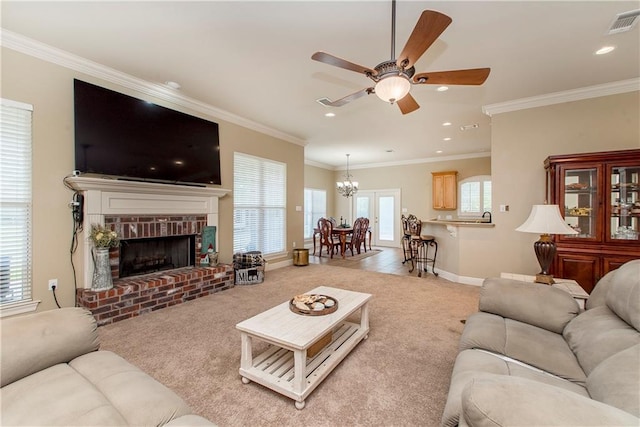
(481, 180)
(269, 202)
(309, 210)
(17, 138)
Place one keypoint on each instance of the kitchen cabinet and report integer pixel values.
(599, 195)
(445, 190)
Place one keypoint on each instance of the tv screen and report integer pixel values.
(125, 137)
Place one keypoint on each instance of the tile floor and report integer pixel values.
(389, 260)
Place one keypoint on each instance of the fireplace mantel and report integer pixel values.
(114, 197)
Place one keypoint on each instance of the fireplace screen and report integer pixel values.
(142, 256)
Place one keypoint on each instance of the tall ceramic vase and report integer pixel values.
(101, 270)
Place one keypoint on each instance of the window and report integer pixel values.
(15, 208)
(315, 207)
(259, 204)
(475, 195)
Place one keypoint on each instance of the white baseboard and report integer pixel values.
(465, 280)
(474, 281)
(274, 265)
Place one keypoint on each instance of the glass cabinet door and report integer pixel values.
(624, 216)
(581, 202)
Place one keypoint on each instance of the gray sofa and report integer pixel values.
(530, 357)
(52, 373)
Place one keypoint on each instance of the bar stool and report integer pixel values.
(420, 244)
(406, 240)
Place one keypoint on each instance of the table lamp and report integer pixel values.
(545, 220)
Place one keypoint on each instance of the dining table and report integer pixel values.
(341, 232)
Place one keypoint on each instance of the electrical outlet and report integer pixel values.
(53, 283)
(294, 244)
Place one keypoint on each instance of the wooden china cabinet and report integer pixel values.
(599, 195)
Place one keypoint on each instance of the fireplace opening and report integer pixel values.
(142, 256)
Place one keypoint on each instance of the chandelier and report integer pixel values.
(347, 188)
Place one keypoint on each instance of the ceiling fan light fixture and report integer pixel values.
(392, 88)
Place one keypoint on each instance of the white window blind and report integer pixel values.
(315, 207)
(15, 202)
(259, 204)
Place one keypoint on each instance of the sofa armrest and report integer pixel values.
(500, 400)
(533, 303)
(37, 341)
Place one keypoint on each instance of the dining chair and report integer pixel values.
(326, 237)
(354, 240)
(360, 234)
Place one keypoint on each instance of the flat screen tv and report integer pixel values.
(125, 137)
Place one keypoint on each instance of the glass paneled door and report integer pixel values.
(383, 210)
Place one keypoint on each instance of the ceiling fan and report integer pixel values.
(393, 78)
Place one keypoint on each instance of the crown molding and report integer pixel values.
(596, 91)
(65, 59)
(398, 163)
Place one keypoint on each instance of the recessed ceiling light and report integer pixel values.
(447, 139)
(442, 88)
(330, 115)
(604, 50)
(173, 85)
(439, 151)
(446, 124)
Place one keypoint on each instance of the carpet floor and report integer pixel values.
(399, 376)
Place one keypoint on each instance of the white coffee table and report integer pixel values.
(284, 367)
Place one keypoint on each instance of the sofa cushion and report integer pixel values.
(596, 335)
(539, 305)
(624, 298)
(38, 341)
(529, 344)
(615, 381)
(56, 396)
(499, 400)
(598, 295)
(475, 364)
(129, 390)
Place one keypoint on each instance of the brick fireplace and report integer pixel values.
(149, 212)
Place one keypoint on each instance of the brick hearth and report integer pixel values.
(133, 296)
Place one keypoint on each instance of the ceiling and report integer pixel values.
(253, 60)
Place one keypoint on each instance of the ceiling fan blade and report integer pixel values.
(428, 28)
(475, 76)
(327, 58)
(342, 101)
(407, 104)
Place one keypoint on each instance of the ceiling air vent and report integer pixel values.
(624, 22)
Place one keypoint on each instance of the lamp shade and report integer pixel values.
(545, 219)
(393, 88)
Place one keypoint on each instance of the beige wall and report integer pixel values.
(414, 182)
(49, 88)
(321, 179)
(520, 142)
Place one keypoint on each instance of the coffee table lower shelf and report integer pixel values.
(290, 373)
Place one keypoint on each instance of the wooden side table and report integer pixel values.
(569, 286)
